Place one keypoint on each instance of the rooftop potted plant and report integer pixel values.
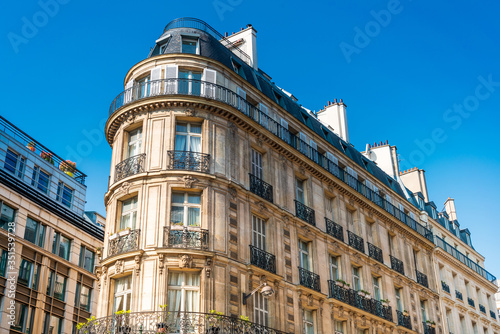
(68, 167)
(31, 146)
(47, 156)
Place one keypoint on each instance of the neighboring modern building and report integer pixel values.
(47, 248)
(95, 218)
(231, 208)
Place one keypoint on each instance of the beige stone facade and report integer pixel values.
(190, 214)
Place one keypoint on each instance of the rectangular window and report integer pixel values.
(87, 259)
(40, 179)
(52, 324)
(423, 310)
(7, 216)
(399, 301)
(257, 164)
(188, 137)
(259, 233)
(260, 309)
(449, 321)
(190, 82)
(415, 258)
(350, 220)
(302, 145)
(129, 213)
(123, 294)
(333, 164)
(304, 254)
(183, 291)
(299, 188)
(64, 194)
(339, 326)
(3, 262)
(356, 278)
(190, 45)
(34, 232)
(352, 177)
(56, 286)
(334, 267)
(25, 272)
(23, 321)
(82, 297)
(61, 246)
(308, 322)
(134, 142)
(14, 163)
(376, 287)
(186, 209)
(144, 86)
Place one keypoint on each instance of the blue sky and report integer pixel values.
(420, 74)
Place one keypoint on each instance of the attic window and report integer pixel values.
(163, 48)
(279, 98)
(238, 68)
(190, 45)
(344, 147)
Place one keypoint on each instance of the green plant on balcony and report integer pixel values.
(364, 293)
(385, 301)
(431, 323)
(342, 283)
(68, 167)
(121, 317)
(214, 318)
(82, 324)
(31, 146)
(405, 313)
(47, 156)
(162, 327)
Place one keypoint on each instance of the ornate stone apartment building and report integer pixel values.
(231, 208)
(47, 248)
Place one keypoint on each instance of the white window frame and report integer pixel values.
(20, 163)
(259, 233)
(399, 299)
(126, 293)
(131, 213)
(183, 288)
(61, 189)
(191, 38)
(308, 322)
(300, 190)
(257, 164)
(136, 144)
(304, 254)
(376, 288)
(35, 180)
(186, 205)
(188, 134)
(334, 266)
(260, 309)
(356, 278)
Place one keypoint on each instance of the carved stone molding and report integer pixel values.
(185, 261)
(119, 266)
(125, 187)
(310, 299)
(208, 267)
(330, 188)
(262, 206)
(232, 192)
(188, 180)
(190, 112)
(161, 263)
(260, 142)
(302, 170)
(137, 267)
(104, 274)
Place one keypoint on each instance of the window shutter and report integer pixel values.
(314, 150)
(284, 131)
(303, 143)
(263, 119)
(128, 91)
(171, 74)
(155, 80)
(210, 78)
(368, 184)
(242, 96)
(333, 164)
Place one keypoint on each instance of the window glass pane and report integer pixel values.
(36, 274)
(59, 287)
(174, 279)
(40, 239)
(7, 216)
(11, 161)
(181, 127)
(3, 262)
(64, 246)
(181, 143)
(21, 312)
(194, 216)
(195, 128)
(177, 198)
(25, 272)
(177, 215)
(195, 144)
(189, 45)
(85, 298)
(31, 230)
(194, 198)
(49, 283)
(43, 181)
(67, 196)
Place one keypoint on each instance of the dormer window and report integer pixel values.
(190, 45)
(163, 48)
(238, 68)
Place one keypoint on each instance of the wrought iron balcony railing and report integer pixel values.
(261, 188)
(355, 241)
(189, 238)
(446, 287)
(403, 320)
(353, 298)
(471, 302)
(397, 265)
(305, 213)
(422, 279)
(262, 259)
(309, 279)
(187, 160)
(482, 308)
(493, 315)
(123, 243)
(173, 322)
(131, 166)
(208, 90)
(458, 295)
(428, 329)
(334, 229)
(375, 253)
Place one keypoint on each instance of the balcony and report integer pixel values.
(355, 241)
(334, 229)
(131, 166)
(351, 297)
(375, 253)
(261, 188)
(471, 302)
(482, 308)
(429, 329)
(422, 279)
(309, 279)
(174, 322)
(403, 320)
(493, 315)
(458, 295)
(446, 287)
(305, 213)
(123, 242)
(397, 265)
(190, 161)
(188, 238)
(262, 259)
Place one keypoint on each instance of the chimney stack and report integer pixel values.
(449, 206)
(249, 44)
(334, 115)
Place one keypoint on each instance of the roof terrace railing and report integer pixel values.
(205, 89)
(463, 258)
(194, 23)
(36, 147)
